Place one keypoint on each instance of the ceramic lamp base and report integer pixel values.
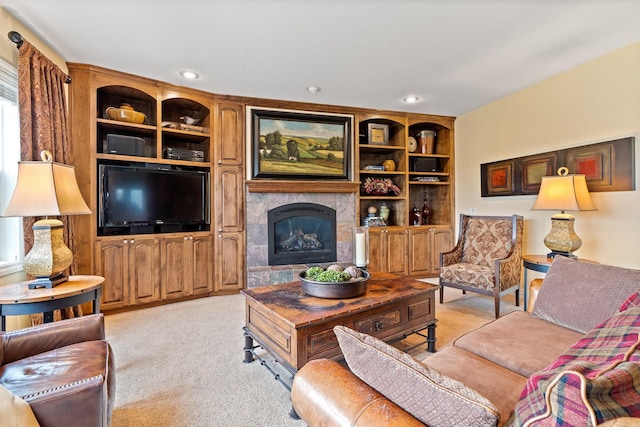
(562, 239)
(49, 256)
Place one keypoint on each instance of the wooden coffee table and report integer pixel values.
(296, 328)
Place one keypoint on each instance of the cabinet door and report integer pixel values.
(112, 264)
(229, 136)
(230, 255)
(388, 250)
(229, 206)
(174, 254)
(144, 269)
(376, 250)
(420, 256)
(201, 264)
(396, 251)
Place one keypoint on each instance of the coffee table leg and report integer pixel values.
(248, 348)
(293, 414)
(431, 338)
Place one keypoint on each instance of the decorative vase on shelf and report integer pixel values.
(415, 217)
(384, 213)
(425, 213)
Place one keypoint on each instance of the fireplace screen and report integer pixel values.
(302, 233)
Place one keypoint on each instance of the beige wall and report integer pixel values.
(597, 101)
(8, 50)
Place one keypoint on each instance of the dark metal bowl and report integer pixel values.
(335, 290)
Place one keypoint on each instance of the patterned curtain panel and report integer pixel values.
(43, 121)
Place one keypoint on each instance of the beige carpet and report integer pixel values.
(181, 364)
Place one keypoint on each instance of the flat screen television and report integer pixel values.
(152, 199)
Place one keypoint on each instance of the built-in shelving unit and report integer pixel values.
(419, 176)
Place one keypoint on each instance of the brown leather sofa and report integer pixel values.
(64, 370)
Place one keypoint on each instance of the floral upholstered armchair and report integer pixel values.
(487, 258)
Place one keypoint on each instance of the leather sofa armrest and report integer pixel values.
(38, 339)
(324, 393)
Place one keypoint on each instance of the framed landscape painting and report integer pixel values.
(299, 145)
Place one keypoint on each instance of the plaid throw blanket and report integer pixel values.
(596, 380)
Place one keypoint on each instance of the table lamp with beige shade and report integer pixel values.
(564, 192)
(46, 188)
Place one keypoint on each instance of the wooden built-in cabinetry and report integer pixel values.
(155, 263)
(388, 249)
(402, 247)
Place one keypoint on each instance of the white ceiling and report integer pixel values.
(456, 55)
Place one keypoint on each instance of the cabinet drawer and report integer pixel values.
(270, 331)
(421, 310)
(379, 322)
(322, 341)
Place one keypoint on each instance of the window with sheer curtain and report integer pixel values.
(11, 246)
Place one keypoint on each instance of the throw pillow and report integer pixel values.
(15, 411)
(596, 380)
(632, 301)
(425, 393)
(580, 295)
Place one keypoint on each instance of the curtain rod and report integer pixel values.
(16, 37)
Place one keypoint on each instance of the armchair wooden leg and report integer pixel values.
(441, 294)
(497, 298)
(517, 297)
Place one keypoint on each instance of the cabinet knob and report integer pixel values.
(219, 230)
(219, 162)
(125, 241)
(132, 241)
(378, 326)
(185, 237)
(190, 237)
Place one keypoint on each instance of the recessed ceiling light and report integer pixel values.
(189, 75)
(314, 89)
(411, 99)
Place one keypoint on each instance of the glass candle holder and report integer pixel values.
(360, 246)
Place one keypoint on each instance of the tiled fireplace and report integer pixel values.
(259, 272)
(301, 233)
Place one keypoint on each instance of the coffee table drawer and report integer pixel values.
(379, 322)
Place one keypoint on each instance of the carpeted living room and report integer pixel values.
(315, 213)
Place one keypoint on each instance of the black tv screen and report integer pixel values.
(140, 196)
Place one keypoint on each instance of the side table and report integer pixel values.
(18, 299)
(539, 263)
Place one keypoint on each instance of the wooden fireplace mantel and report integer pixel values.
(287, 186)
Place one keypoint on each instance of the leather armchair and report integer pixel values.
(487, 258)
(64, 370)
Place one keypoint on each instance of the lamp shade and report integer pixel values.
(46, 188)
(564, 193)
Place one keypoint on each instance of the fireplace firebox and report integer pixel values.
(301, 233)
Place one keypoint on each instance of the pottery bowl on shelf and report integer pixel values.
(335, 290)
(126, 113)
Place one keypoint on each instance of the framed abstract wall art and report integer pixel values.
(607, 166)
